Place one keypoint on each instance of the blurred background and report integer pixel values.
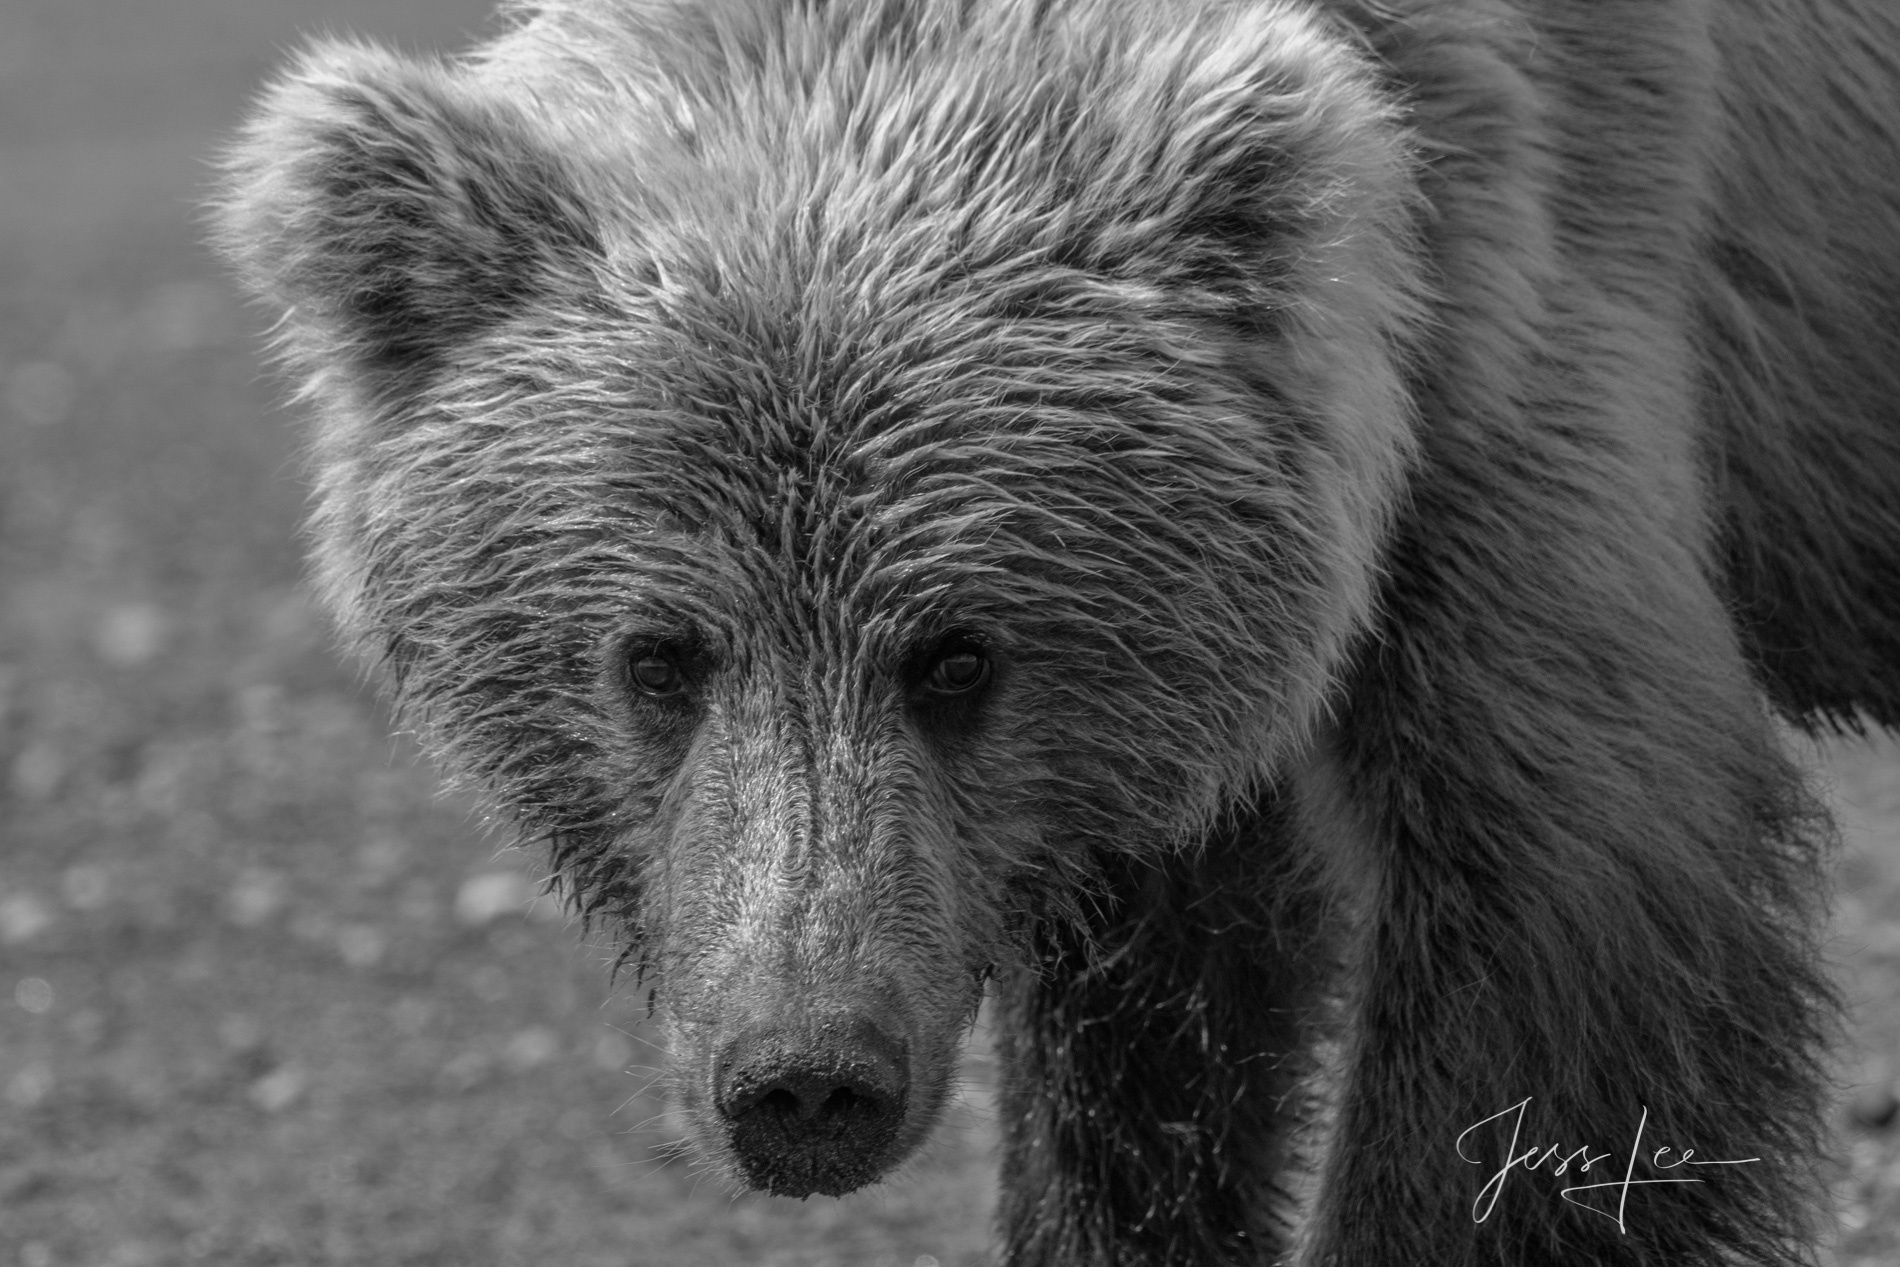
(265, 997)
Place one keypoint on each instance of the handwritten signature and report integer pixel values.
(1535, 1157)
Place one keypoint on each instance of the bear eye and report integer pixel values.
(958, 670)
(655, 674)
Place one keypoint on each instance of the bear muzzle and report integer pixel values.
(813, 1108)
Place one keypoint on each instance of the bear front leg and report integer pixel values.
(1152, 1070)
(1586, 1005)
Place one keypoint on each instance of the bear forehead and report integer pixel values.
(762, 449)
(802, 412)
(954, 267)
(792, 361)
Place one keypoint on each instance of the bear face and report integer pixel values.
(896, 464)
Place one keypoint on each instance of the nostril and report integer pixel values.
(780, 1102)
(844, 1101)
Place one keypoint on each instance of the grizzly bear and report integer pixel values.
(1269, 534)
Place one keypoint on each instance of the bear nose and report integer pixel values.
(812, 1110)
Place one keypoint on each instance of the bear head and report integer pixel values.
(838, 472)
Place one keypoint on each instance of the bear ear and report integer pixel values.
(1257, 159)
(395, 211)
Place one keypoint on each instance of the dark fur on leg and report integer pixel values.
(1158, 1076)
(1615, 927)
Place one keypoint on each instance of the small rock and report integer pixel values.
(22, 918)
(489, 895)
(361, 945)
(1875, 1106)
(278, 1089)
(256, 898)
(31, 1085)
(34, 994)
(130, 635)
(613, 1051)
(535, 1045)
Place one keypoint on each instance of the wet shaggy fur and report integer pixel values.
(1387, 459)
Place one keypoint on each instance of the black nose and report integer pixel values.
(812, 1110)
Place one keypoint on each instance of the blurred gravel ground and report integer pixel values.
(1864, 780)
(265, 999)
